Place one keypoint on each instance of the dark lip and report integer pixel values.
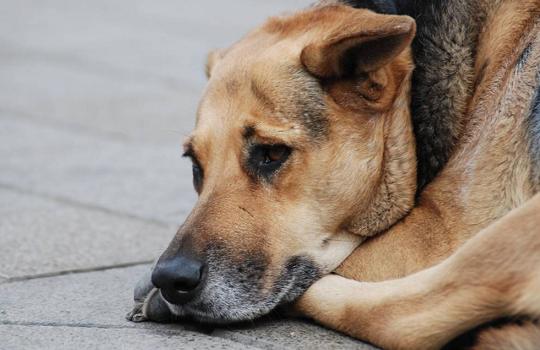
(176, 297)
(181, 298)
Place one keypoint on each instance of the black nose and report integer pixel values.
(178, 278)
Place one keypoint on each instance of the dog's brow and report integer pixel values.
(261, 96)
(309, 105)
(249, 131)
(272, 134)
(301, 103)
(188, 147)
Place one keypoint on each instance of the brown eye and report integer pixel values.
(265, 160)
(276, 153)
(196, 169)
(197, 177)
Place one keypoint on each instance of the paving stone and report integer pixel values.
(125, 108)
(68, 338)
(292, 334)
(166, 38)
(40, 236)
(150, 182)
(134, 69)
(102, 298)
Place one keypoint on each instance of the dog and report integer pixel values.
(372, 165)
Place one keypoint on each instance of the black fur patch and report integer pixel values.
(380, 6)
(303, 271)
(534, 136)
(444, 51)
(524, 57)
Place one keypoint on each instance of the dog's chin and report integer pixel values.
(219, 312)
(223, 302)
(212, 315)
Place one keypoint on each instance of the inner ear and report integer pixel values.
(362, 42)
(372, 54)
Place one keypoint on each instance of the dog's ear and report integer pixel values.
(213, 57)
(358, 41)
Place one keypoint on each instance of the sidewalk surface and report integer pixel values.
(95, 99)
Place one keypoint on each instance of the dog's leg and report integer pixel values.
(495, 274)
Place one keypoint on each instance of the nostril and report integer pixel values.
(185, 286)
(187, 282)
(177, 277)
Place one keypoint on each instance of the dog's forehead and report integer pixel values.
(260, 89)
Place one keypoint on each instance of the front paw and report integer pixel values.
(325, 301)
(149, 304)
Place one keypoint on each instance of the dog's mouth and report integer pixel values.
(229, 296)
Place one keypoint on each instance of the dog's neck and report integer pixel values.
(394, 197)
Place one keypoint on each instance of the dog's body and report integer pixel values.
(475, 102)
(474, 227)
(487, 126)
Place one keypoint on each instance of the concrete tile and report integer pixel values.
(133, 69)
(99, 299)
(124, 107)
(292, 334)
(40, 236)
(102, 298)
(149, 182)
(166, 38)
(68, 338)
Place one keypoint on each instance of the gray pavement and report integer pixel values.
(95, 99)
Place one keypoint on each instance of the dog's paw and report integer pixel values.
(149, 304)
(326, 299)
(136, 314)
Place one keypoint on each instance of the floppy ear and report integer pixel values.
(213, 57)
(358, 41)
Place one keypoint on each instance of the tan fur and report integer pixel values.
(487, 176)
(352, 175)
(268, 67)
(478, 185)
(492, 275)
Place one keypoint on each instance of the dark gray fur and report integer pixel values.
(533, 121)
(380, 6)
(444, 50)
(534, 137)
(305, 93)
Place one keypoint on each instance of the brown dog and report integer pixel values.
(304, 148)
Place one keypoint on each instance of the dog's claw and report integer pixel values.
(149, 305)
(136, 315)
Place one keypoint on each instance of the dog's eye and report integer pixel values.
(265, 160)
(195, 168)
(197, 176)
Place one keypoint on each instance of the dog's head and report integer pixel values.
(302, 148)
